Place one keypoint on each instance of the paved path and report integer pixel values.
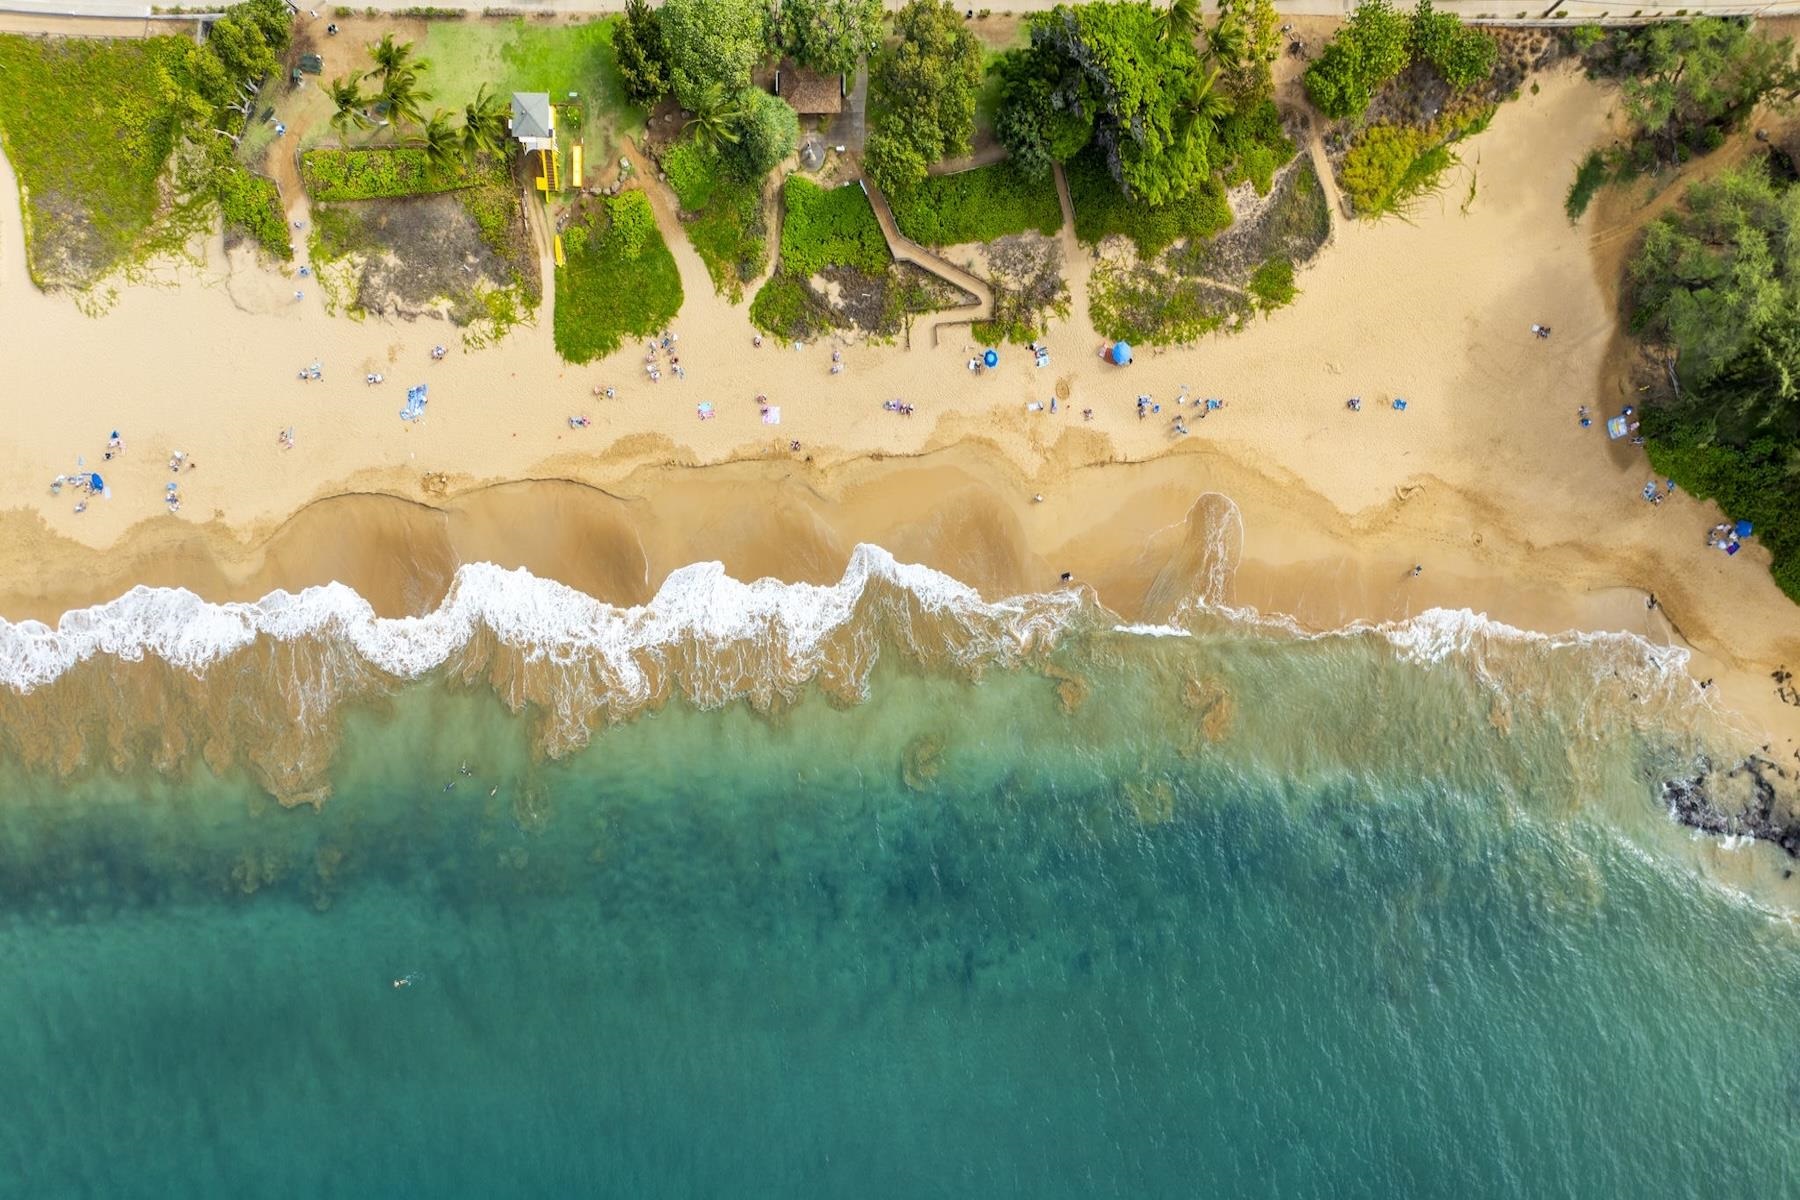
(904, 249)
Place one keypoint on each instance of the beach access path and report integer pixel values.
(904, 249)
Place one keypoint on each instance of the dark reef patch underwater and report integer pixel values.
(1221, 913)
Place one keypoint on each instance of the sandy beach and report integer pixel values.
(1485, 479)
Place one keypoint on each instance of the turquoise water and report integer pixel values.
(1358, 940)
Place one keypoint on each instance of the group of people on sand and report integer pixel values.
(898, 406)
(653, 357)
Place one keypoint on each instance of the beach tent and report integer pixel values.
(97, 483)
(1121, 354)
(1743, 529)
(990, 358)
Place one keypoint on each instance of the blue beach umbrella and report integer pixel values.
(1121, 354)
(1744, 529)
(990, 358)
(97, 483)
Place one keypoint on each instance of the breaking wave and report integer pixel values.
(161, 676)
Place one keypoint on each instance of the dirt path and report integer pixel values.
(904, 249)
(1078, 264)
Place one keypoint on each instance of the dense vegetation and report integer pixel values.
(1685, 85)
(1718, 282)
(721, 210)
(976, 206)
(820, 230)
(331, 174)
(922, 94)
(829, 35)
(1380, 42)
(620, 279)
(1102, 210)
(834, 228)
(711, 45)
(93, 127)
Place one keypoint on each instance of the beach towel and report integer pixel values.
(772, 415)
(705, 410)
(415, 404)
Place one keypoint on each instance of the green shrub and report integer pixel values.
(1462, 55)
(1388, 166)
(1272, 284)
(836, 228)
(251, 204)
(785, 307)
(1102, 210)
(617, 282)
(1366, 53)
(767, 131)
(692, 170)
(977, 206)
(1254, 146)
(374, 174)
(633, 224)
(1590, 177)
(731, 237)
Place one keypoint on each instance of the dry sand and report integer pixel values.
(1486, 478)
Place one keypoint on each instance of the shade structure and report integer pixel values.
(1743, 529)
(97, 483)
(1121, 354)
(990, 358)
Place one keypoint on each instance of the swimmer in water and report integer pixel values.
(405, 981)
(464, 769)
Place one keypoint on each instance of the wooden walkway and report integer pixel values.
(904, 249)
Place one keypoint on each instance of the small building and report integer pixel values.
(533, 120)
(809, 93)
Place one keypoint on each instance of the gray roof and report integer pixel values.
(531, 115)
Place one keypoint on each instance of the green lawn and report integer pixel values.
(87, 130)
(517, 55)
(977, 206)
(611, 288)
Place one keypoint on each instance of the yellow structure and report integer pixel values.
(575, 164)
(560, 260)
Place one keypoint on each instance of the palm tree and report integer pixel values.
(1229, 42)
(1181, 18)
(391, 57)
(347, 94)
(1205, 101)
(442, 150)
(401, 96)
(484, 124)
(714, 116)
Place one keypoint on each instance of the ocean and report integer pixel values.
(874, 890)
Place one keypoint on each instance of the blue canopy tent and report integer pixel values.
(1744, 529)
(1121, 354)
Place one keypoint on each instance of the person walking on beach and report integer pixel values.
(1418, 570)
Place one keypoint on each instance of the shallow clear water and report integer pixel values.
(1357, 936)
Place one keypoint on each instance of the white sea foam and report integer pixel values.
(542, 619)
(1173, 631)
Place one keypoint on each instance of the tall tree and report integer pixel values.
(831, 35)
(484, 124)
(349, 103)
(1181, 19)
(443, 148)
(401, 96)
(712, 42)
(1245, 44)
(643, 63)
(391, 56)
(922, 93)
(768, 130)
(714, 117)
(1109, 66)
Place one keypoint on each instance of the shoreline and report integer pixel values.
(1485, 480)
